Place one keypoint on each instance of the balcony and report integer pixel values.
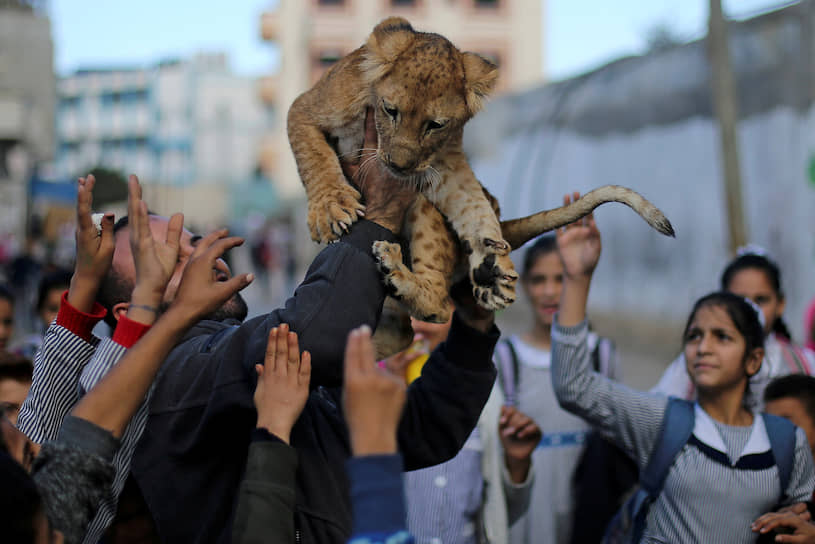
(269, 26)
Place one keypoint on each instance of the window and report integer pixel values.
(70, 102)
(327, 57)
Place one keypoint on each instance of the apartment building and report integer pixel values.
(313, 34)
(188, 127)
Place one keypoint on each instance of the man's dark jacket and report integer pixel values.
(191, 458)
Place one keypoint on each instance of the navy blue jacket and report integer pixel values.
(191, 458)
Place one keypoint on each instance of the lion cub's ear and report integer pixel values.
(480, 76)
(389, 39)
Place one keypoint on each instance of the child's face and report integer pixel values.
(543, 285)
(794, 410)
(715, 352)
(50, 306)
(752, 283)
(6, 322)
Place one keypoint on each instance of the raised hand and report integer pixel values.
(154, 261)
(94, 249)
(283, 382)
(520, 436)
(579, 244)
(200, 291)
(373, 398)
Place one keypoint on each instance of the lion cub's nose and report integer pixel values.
(401, 162)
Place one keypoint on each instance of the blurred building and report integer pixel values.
(313, 34)
(189, 128)
(26, 110)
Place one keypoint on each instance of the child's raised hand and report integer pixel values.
(579, 244)
(283, 382)
(373, 398)
(94, 249)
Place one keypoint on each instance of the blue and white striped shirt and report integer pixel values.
(65, 368)
(709, 496)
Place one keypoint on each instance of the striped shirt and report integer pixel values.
(65, 368)
(710, 494)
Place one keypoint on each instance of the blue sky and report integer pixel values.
(578, 34)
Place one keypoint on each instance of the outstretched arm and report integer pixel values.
(69, 343)
(266, 498)
(373, 400)
(630, 418)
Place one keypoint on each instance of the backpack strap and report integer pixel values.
(602, 357)
(796, 361)
(677, 427)
(508, 371)
(781, 433)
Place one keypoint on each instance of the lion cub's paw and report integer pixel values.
(332, 212)
(389, 261)
(494, 282)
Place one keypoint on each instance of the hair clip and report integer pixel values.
(758, 312)
(752, 249)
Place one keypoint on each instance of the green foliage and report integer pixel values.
(111, 187)
(662, 36)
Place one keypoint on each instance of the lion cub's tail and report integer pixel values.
(519, 231)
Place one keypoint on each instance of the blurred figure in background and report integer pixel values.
(49, 294)
(752, 275)
(15, 380)
(474, 497)
(524, 374)
(6, 317)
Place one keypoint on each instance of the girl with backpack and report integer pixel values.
(523, 363)
(730, 464)
(753, 275)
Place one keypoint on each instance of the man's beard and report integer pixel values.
(234, 308)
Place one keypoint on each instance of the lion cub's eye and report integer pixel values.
(390, 110)
(435, 125)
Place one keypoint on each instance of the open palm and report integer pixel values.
(579, 244)
(155, 261)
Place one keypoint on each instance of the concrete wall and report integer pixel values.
(646, 123)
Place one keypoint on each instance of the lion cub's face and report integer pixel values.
(423, 91)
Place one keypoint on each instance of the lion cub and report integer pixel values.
(422, 90)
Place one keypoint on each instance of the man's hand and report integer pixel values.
(386, 198)
(373, 398)
(200, 293)
(795, 527)
(94, 250)
(468, 309)
(155, 262)
(519, 437)
(283, 382)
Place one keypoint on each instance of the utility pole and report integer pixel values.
(725, 106)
